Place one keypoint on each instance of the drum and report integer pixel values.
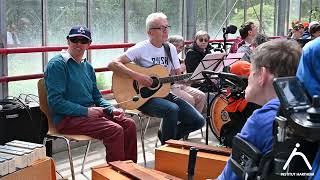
(218, 115)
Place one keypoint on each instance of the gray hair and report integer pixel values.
(152, 17)
(175, 39)
(201, 33)
(259, 39)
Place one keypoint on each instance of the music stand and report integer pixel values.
(209, 62)
(213, 62)
(230, 59)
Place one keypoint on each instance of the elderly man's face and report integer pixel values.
(79, 44)
(159, 30)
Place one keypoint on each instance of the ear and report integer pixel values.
(149, 32)
(265, 77)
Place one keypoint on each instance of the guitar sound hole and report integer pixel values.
(155, 82)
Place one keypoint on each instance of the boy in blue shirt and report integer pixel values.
(277, 58)
(78, 106)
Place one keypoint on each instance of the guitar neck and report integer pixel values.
(175, 78)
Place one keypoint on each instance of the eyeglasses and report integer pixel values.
(162, 28)
(203, 40)
(81, 40)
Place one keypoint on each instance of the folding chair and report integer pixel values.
(138, 114)
(54, 134)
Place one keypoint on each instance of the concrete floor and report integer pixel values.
(97, 154)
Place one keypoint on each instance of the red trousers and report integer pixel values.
(119, 137)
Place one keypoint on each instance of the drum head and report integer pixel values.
(218, 115)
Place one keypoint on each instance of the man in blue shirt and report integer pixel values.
(309, 74)
(309, 67)
(78, 106)
(278, 58)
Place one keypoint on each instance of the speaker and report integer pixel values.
(20, 121)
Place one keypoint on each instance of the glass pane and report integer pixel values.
(305, 10)
(173, 9)
(62, 15)
(21, 64)
(201, 15)
(107, 27)
(19, 88)
(24, 23)
(236, 16)
(253, 12)
(24, 28)
(294, 10)
(138, 10)
(268, 18)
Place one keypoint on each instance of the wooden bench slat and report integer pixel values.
(202, 147)
(137, 172)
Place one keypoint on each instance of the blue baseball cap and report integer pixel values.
(80, 31)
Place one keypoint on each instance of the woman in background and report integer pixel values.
(192, 95)
(197, 51)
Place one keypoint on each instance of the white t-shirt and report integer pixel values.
(11, 40)
(145, 54)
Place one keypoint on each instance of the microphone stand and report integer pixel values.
(224, 40)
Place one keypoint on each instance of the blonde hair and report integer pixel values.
(152, 17)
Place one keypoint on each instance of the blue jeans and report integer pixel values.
(179, 117)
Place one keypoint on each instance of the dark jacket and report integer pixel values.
(194, 56)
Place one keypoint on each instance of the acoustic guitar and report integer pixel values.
(131, 95)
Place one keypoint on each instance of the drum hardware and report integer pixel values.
(227, 86)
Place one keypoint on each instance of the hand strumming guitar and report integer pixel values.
(143, 79)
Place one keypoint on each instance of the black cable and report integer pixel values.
(30, 96)
(21, 103)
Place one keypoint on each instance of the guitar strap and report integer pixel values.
(168, 54)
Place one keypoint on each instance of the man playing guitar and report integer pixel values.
(179, 117)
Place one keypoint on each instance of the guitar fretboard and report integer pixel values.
(175, 78)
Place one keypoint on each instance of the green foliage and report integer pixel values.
(315, 14)
(101, 81)
(268, 17)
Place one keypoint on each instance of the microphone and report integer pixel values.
(231, 29)
(1, 107)
(134, 99)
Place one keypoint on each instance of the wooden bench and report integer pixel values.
(173, 157)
